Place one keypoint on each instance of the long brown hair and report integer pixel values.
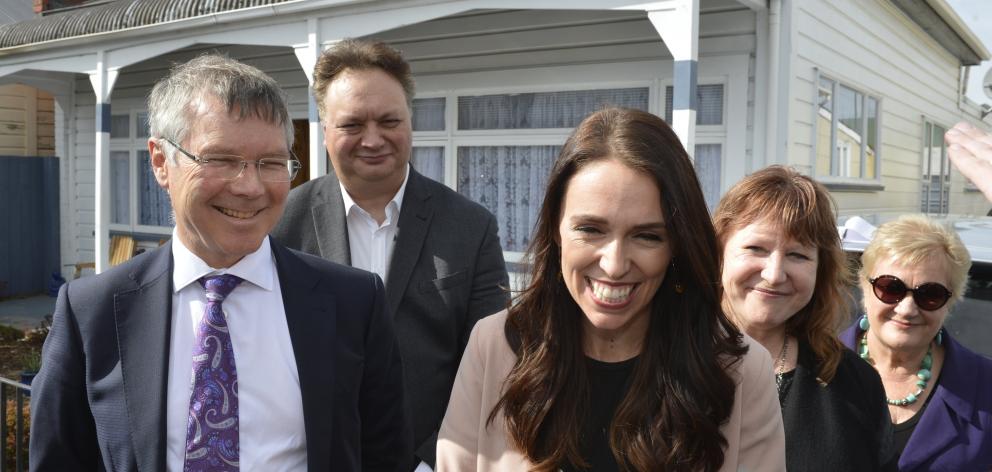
(680, 391)
(803, 209)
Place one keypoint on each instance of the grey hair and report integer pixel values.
(243, 89)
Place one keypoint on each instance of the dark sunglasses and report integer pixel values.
(890, 289)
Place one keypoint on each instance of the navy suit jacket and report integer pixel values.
(955, 431)
(99, 402)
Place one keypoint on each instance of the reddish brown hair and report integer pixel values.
(805, 212)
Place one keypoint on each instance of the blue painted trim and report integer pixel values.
(684, 86)
(105, 114)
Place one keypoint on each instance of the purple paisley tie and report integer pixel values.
(212, 429)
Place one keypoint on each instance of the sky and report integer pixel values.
(977, 14)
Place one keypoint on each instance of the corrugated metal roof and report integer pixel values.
(114, 16)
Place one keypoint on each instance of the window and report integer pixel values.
(846, 131)
(936, 179)
(137, 203)
(709, 104)
(708, 161)
(710, 135)
(504, 146)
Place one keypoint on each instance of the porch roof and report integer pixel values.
(114, 15)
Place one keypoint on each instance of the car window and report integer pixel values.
(970, 321)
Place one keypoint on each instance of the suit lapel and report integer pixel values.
(415, 219)
(330, 223)
(311, 322)
(143, 314)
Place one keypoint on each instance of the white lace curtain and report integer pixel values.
(154, 208)
(543, 109)
(509, 181)
(120, 185)
(709, 104)
(428, 114)
(708, 162)
(429, 161)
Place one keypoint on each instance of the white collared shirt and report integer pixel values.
(372, 244)
(272, 435)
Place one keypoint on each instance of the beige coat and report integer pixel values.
(755, 438)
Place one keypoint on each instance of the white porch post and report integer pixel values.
(307, 54)
(102, 80)
(677, 21)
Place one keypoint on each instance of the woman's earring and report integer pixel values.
(863, 324)
(679, 288)
(940, 338)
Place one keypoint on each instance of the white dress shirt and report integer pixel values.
(272, 435)
(370, 243)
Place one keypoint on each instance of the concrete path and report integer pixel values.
(26, 313)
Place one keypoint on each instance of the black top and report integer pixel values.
(842, 426)
(783, 382)
(608, 383)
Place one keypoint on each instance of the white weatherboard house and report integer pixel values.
(854, 92)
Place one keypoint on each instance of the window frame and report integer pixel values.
(452, 138)
(945, 168)
(133, 145)
(833, 181)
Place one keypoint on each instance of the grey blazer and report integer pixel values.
(446, 273)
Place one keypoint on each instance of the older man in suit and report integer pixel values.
(221, 350)
(438, 252)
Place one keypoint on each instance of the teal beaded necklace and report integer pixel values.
(923, 375)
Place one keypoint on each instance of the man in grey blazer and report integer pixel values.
(438, 252)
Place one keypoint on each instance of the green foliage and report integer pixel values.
(31, 361)
(9, 334)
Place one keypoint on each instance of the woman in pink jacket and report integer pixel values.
(617, 355)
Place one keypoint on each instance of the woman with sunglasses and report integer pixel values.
(938, 392)
(785, 284)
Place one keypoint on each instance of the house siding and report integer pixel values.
(874, 47)
(27, 121)
(473, 51)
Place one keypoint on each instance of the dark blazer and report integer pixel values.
(842, 426)
(955, 431)
(99, 402)
(446, 273)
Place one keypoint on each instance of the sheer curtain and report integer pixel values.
(428, 114)
(509, 181)
(708, 167)
(429, 161)
(709, 104)
(120, 186)
(153, 202)
(543, 109)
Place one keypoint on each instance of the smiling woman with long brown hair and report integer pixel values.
(617, 355)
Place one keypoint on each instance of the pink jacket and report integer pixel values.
(755, 438)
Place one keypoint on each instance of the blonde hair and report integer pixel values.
(913, 239)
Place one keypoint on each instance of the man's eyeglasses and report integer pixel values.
(891, 290)
(230, 167)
